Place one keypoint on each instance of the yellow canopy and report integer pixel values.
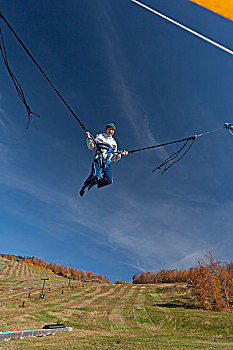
(222, 7)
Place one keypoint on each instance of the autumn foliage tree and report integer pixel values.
(211, 282)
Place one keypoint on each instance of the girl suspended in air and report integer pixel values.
(106, 152)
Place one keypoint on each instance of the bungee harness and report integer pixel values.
(108, 160)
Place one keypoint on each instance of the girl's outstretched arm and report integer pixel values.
(90, 141)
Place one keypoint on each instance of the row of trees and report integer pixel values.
(162, 276)
(57, 269)
(211, 282)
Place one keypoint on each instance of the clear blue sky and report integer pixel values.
(116, 62)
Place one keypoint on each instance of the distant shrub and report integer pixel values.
(122, 282)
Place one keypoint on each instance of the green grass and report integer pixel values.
(43, 316)
(127, 317)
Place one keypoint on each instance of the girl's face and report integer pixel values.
(109, 131)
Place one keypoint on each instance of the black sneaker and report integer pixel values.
(82, 191)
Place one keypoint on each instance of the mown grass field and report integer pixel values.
(110, 316)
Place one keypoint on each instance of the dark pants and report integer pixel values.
(99, 174)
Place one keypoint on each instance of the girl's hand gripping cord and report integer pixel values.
(123, 153)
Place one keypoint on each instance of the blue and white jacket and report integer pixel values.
(107, 141)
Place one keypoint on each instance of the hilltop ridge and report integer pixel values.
(33, 264)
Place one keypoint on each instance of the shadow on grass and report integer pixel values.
(177, 305)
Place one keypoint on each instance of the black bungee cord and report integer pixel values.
(17, 85)
(175, 155)
(188, 143)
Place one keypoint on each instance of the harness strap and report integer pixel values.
(108, 160)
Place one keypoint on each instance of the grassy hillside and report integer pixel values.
(104, 316)
(17, 276)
